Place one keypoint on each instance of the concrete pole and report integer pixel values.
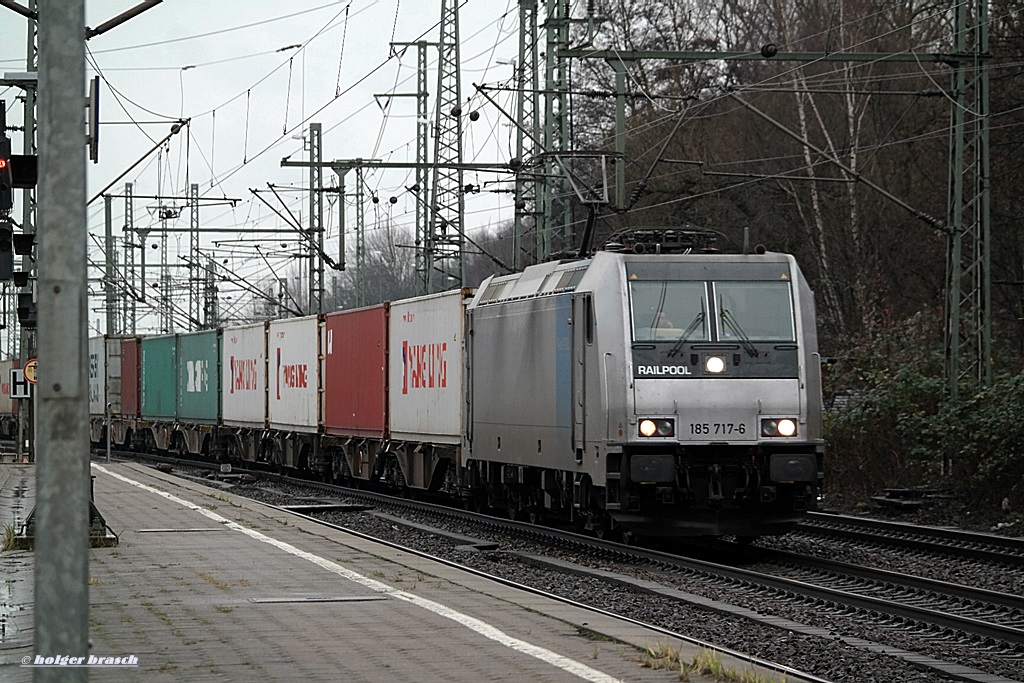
(62, 504)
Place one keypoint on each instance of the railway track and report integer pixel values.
(942, 618)
(953, 542)
(956, 632)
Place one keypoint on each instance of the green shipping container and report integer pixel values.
(199, 376)
(159, 377)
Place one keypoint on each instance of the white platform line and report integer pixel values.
(483, 628)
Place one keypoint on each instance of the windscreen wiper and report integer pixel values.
(734, 326)
(678, 346)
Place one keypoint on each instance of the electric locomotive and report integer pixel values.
(671, 393)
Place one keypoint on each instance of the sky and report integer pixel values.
(250, 75)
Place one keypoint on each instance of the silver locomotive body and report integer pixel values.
(662, 394)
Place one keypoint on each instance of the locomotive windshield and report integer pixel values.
(667, 311)
(754, 311)
(743, 311)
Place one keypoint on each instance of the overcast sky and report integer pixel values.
(251, 75)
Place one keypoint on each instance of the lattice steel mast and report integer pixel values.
(530, 220)
(445, 261)
(968, 344)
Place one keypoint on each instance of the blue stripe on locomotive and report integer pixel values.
(563, 363)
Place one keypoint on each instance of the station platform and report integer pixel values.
(207, 586)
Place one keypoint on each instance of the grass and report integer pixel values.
(704, 663)
(213, 581)
(9, 535)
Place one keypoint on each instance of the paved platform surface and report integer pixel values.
(206, 586)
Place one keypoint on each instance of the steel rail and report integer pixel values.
(981, 546)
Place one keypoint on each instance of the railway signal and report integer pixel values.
(6, 182)
(6, 248)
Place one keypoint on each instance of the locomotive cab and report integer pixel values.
(723, 418)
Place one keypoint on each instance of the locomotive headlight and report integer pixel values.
(781, 426)
(714, 364)
(657, 426)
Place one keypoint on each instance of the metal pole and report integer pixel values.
(129, 259)
(316, 221)
(194, 257)
(25, 348)
(108, 277)
(360, 240)
(62, 505)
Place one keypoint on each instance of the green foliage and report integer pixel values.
(987, 431)
(884, 396)
(890, 423)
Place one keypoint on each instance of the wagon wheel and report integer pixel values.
(274, 459)
(514, 507)
(607, 529)
(476, 501)
(234, 453)
(340, 471)
(395, 477)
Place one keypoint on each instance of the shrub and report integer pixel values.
(890, 423)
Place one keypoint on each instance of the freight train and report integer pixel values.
(647, 393)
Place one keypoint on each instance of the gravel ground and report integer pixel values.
(830, 659)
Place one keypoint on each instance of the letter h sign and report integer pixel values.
(20, 387)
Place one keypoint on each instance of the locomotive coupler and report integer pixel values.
(715, 496)
(750, 485)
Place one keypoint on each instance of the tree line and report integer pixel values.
(774, 148)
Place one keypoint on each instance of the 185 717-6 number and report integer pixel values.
(718, 428)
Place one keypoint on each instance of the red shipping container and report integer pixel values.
(355, 372)
(8, 405)
(130, 377)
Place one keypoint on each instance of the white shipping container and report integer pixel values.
(425, 368)
(244, 380)
(113, 375)
(294, 373)
(97, 377)
(6, 402)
